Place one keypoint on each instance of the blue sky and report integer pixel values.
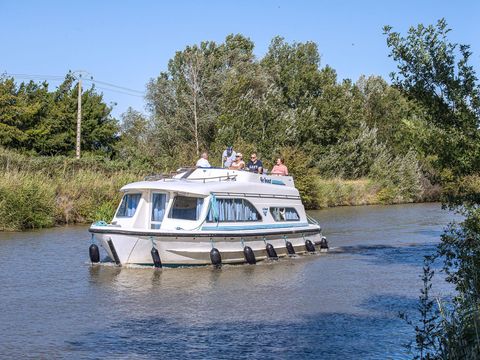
(128, 42)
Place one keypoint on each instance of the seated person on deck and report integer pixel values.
(279, 168)
(255, 165)
(203, 161)
(238, 164)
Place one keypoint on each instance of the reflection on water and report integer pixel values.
(342, 304)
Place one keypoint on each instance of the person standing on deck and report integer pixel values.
(228, 157)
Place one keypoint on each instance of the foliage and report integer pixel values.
(400, 174)
(36, 120)
(396, 118)
(299, 164)
(427, 342)
(352, 159)
(436, 73)
(26, 202)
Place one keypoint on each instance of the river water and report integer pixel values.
(340, 305)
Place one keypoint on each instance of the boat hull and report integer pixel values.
(185, 250)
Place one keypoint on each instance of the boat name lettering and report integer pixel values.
(265, 180)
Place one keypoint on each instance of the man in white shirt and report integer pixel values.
(203, 161)
(228, 157)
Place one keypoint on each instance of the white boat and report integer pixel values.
(208, 216)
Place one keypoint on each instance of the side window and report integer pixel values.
(129, 205)
(232, 210)
(284, 214)
(186, 208)
(158, 209)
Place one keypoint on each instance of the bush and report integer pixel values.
(26, 201)
(352, 159)
(305, 176)
(400, 178)
(339, 192)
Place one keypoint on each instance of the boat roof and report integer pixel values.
(221, 182)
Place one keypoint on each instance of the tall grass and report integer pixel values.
(37, 192)
(26, 202)
(339, 192)
(35, 200)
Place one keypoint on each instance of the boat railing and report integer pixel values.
(156, 177)
(186, 172)
(227, 177)
(311, 220)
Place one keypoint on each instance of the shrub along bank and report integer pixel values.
(45, 197)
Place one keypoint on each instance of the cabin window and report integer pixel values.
(186, 208)
(129, 205)
(232, 210)
(158, 209)
(284, 214)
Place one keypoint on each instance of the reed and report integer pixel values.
(340, 192)
(26, 201)
(38, 192)
(30, 200)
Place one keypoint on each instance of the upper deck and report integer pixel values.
(219, 174)
(205, 181)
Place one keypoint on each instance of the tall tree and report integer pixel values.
(436, 73)
(34, 119)
(184, 99)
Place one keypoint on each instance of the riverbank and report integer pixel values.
(39, 199)
(40, 192)
(341, 192)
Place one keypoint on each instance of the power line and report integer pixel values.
(106, 85)
(115, 86)
(119, 92)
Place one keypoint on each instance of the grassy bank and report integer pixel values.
(37, 192)
(36, 200)
(340, 192)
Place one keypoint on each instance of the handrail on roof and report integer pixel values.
(186, 173)
(225, 177)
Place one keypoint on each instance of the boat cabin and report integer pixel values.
(211, 199)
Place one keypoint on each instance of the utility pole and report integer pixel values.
(79, 116)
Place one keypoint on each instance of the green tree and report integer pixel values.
(436, 73)
(184, 100)
(396, 118)
(134, 145)
(36, 120)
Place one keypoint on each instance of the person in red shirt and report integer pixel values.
(279, 168)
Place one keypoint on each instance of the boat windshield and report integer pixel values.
(158, 209)
(186, 208)
(129, 205)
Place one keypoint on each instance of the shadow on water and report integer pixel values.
(412, 254)
(319, 336)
